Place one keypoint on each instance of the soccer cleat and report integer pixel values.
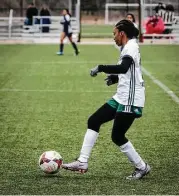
(139, 174)
(77, 53)
(76, 166)
(59, 53)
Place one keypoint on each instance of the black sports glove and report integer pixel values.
(111, 79)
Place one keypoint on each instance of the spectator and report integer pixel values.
(45, 12)
(169, 18)
(154, 24)
(160, 9)
(166, 12)
(31, 11)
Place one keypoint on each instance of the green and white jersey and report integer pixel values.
(130, 88)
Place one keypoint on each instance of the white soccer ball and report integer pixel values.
(50, 162)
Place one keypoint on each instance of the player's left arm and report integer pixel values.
(113, 69)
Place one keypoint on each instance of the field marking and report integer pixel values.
(77, 62)
(146, 72)
(161, 85)
(53, 90)
(62, 91)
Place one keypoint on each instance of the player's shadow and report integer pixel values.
(65, 55)
(86, 177)
(49, 176)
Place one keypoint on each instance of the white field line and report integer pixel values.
(53, 90)
(64, 91)
(156, 81)
(161, 85)
(77, 62)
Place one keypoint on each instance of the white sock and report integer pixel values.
(129, 150)
(88, 143)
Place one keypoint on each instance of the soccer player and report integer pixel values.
(67, 31)
(131, 18)
(124, 107)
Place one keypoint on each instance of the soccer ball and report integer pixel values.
(50, 162)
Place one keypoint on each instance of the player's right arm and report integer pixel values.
(113, 69)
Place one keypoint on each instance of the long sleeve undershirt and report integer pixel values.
(117, 69)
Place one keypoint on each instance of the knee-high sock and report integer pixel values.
(88, 143)
(74, 46)
(61, 48)
(129, 150)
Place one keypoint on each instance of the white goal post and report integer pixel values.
(10, 22)
(124, 5)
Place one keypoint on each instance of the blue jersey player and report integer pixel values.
(67, 31)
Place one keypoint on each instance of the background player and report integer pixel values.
(67, 31)
(124, 107)
(131, 18)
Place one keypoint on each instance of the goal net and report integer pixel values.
(117, 11)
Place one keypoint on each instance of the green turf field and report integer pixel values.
(97, 31)
(45, 101)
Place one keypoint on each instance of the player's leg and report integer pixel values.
(102, 115)
(122, 123)
(73, 44)
(62, 37)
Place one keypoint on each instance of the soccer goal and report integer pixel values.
(117, 11)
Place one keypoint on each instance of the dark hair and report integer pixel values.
(128, 27)
(160, 6)
(67, 10)
(136, 32)
(32, 4)
(132, 15)
(170, 8)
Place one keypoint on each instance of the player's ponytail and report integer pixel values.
(67, 10)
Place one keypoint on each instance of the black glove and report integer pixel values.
(111, 79)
